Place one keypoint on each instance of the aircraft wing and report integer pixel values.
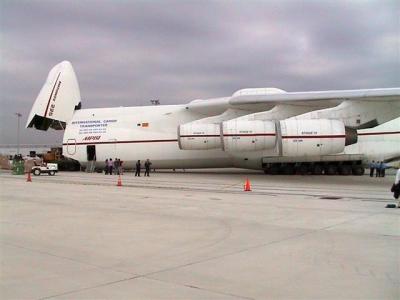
(392, 94)
(253, 98)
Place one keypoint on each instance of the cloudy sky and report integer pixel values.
(128, 52)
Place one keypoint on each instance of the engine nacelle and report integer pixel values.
(199, 136)
(314, 137)
(289, 137)
(248, 135)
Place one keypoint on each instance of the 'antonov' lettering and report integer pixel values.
(92, 138)
(53, 101)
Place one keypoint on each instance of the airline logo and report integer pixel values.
(92, 138)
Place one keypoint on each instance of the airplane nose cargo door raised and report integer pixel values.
(57, 100)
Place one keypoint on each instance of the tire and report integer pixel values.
(345, 170)
(52, 173)
(288, 170)
(274, 170)
(36, 172)
(358, 170)
(317, 169)
(302, 169)
(330, 170)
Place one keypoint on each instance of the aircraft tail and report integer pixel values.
(57, 100)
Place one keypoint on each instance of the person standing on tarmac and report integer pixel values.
(110, 166)
(371, 169)
(378, 169)
(116, 167)
(138, 166)
(383, 169)
(396, 186)
(147, 165)
(119, 172)
(106, 168)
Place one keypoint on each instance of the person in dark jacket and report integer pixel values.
(116, 166)
(378, 169)
(119, 166)
(372, 169)
(110, 166)
(147, 165)
(396, 187)
(383, 169)
(138, 166)
(106, 167)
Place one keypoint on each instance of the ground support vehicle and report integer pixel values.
(50, 169)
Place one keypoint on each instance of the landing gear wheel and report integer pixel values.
(317, 169)
(36, 172)
(358, 170)
(345, 170)
(303, 169)
(288, 170)
(274, 170)
(330, 170)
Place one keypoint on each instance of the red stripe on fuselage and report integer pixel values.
(250, 134)
(380, 133)
(238, 134)
(199, 135)
(175, 140)
(122, 142)
(313, 136)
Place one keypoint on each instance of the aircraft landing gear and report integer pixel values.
(330, 169)
(317, 169)
(358, 170)
(345, 170)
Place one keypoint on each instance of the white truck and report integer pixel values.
(51, 169)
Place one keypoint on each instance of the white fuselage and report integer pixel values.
(137, 133)
(150, 132)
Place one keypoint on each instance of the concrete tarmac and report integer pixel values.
(197, 235)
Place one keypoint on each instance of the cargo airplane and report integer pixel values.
(256, 128)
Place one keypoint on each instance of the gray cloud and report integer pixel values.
(128, 52)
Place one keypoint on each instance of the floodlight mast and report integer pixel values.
(19, 115)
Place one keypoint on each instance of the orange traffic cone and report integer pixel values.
(29, 178)
(247, 187)
(119, 183)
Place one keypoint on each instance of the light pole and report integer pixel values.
(19, 117)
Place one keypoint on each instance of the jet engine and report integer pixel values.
(314, 137)
(248, 135)
(199, 136)
(289, 137)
